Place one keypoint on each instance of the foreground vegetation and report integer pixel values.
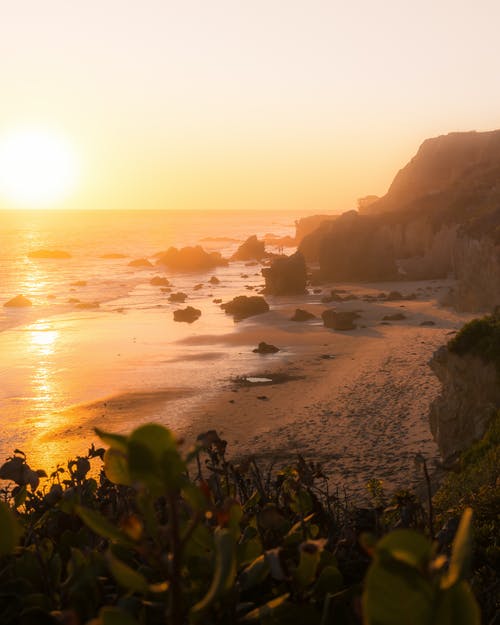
(166, 537)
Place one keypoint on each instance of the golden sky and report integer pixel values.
(233, 104)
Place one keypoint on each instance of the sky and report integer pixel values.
(235, 104)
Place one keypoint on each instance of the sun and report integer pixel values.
(38, 168)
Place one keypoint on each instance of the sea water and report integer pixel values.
(54, 355)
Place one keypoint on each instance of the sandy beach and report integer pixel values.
(356, 401)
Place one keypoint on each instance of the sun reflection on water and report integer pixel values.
(42, 342)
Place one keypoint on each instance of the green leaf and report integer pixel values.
(394, 590)
(310, 554)
(156, 438)
(255, 573)
(225, 571)
(126, 576)
(10, 530)
(329, 581)
(461, 551)
(101, 526)
(115, 441)
(114, 616)
(266, 610)
(116, 467)
(407, 546)
(457, 606)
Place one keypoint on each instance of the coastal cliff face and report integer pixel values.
(441, 216)
(469, 398)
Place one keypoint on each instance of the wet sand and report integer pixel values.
(356, 401)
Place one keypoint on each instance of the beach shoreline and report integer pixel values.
(355, 401)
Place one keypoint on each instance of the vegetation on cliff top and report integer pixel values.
(168, 537)
(479, 337)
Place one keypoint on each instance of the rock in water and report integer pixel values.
(18, 302)
(159, 281)
(190, 259)
(265, 348)
(188, 314)
(177, 297)
(339, 320)
(140, 263)
(394, 317)
(302, 315)
(242, 306)
(251, 249)
(287, 275)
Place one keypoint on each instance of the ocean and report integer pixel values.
(56, 356)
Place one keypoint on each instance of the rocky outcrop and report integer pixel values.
(20, 301)
(306, 225)
(140, 263)
(302, 315)
(159, 281)
(265, 348)
(251, 249)
(190, 259)
(188, 314)
(440, 217)
(469, 398)
(242, 306)
(287, 275)
(342, 321)
(179, 297)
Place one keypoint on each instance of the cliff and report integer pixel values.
(441, 216)
(469, 370)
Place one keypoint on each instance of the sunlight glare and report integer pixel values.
(37, 168)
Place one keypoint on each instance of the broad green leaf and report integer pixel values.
(101, 526)
(393, 591)
(224, 574)
(407, 546)
(116, 466)
(10, 530)
(457, 606)
(310, 554)
(248, 550)
(115, 441)
(329, 581)
(126, 576)
(114, 616)
(156, 438)
(255, 573)
(266, 610)
(461, 551)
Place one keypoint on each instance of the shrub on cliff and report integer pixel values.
(480, 337)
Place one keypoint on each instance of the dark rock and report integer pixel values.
(428, 323)
(317, 291)
(177, 297)
(159, 281)
(244, 276)
(49, 254)
(197, 287)
(242, 306)
(188, 314)
(140, 263)
(165, 289)
(394, 296)
(18, 302)
(266, 348)
(217, 301)
(251, 249)
(339, 320)
(287, 275)
(302, 315)
(190, 259)
(394, 317)
(326, 299)
(214, 280)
